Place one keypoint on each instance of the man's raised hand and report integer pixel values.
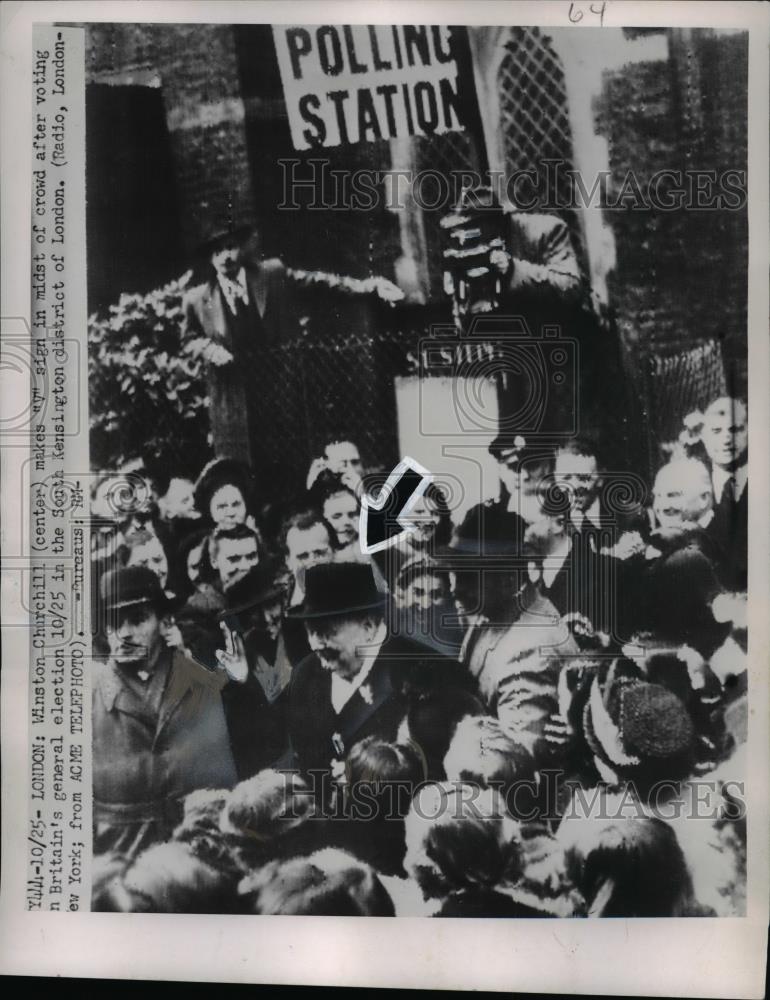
(232, 659)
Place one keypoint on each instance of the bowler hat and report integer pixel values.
(131, 586)
(334, 590)
(261, 584)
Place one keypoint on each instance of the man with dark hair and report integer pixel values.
(158, 725)
(340, 456)
(343, 457)
(255, 659)
(725, 438)
(144, 548)
(306, 541)
(233, 552)
(240, 310)
(566, 552)
(577, 470)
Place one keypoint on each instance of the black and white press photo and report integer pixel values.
(393, 545)
(312, 251)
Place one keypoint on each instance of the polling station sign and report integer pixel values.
(359, 83)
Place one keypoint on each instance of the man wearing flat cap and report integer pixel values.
(358, 680)
(159, 729)
(241, 310)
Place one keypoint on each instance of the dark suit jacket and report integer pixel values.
(256, 727)
(268, 322)
(490, 529)
(545, 263)
(206, 309)
(586, 582)
(729, 532)
(401, 668)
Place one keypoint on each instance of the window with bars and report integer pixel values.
(675, 384)
(534, 126)
(534, 121)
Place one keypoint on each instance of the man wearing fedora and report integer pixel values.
(159, 729)
(241, 310)
(358, 680)
(256, 697)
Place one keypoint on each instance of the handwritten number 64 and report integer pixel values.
(576, 13)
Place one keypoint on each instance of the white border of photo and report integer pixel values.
(684, 957)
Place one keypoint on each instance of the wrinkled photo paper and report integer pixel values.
(379, 538)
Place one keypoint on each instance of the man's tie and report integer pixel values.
(728, 492)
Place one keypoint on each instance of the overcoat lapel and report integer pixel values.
(190, 684)
(357, 711)
(257, 283)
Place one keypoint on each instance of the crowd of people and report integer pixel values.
(508, 713)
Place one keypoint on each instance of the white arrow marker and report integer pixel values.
(384, 520)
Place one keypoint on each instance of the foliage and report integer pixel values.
(146, 385)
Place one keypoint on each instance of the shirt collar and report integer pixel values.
(233, 288)
(719, 477)
(342, 689)
(297, 595)
(593, 515)
(131, 694)
(553, 563)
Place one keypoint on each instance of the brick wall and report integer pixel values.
(681, 275)
(199, 79)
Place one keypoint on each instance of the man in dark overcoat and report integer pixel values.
(159, 729)
(237, 314)
(358, 680)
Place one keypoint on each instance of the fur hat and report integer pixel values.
(640, 731)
